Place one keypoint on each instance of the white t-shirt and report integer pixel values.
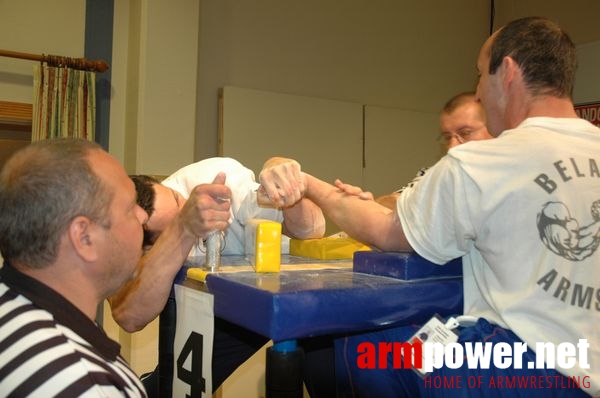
(524, 211)
(244, 204)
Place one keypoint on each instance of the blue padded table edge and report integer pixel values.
(293, 304)
(406, 266)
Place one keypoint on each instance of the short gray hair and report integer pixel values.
(43, 187)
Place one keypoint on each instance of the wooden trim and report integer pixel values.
(15, 113)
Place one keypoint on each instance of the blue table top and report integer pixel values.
(302, 303)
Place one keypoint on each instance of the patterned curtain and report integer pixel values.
(64, 103)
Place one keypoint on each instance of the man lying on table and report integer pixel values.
(216, 194)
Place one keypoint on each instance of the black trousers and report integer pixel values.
(234, 345)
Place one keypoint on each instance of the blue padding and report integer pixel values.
(405, 266)
(293, 304)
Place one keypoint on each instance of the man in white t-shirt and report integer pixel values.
(165, 200)
(523, 212)
(215, 194)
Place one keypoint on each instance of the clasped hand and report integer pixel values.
(282, 181)
(353, 190)
(208, 208)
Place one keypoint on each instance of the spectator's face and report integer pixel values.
(466, 123)
(167, 204)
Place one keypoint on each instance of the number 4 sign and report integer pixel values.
(192, 376)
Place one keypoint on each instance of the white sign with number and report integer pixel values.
(192, 370)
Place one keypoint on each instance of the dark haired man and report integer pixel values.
(525, 278)
(214, 194)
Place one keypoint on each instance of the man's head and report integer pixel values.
(68, 195)
(534, 51)
(463, 119)
(160, 202)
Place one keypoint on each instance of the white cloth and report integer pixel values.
(415, 179)
(524, 210)
(244, 204)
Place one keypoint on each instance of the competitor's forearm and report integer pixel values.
(142, 299)
(304, 220)
(364, 220)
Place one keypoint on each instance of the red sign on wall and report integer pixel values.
(590, 112)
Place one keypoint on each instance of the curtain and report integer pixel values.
(64, 103)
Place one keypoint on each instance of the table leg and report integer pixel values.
(284, 373)
(166, 356)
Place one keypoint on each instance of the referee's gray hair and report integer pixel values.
(43, 187)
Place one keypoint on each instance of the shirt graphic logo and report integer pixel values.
(562, 234)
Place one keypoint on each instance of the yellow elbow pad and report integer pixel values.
(263, 244)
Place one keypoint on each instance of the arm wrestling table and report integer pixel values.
(325, 298)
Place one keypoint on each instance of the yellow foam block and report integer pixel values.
(328, 248)
(198, 274)
(263, 245)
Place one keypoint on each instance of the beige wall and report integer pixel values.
(171, 57)
(578, 17)
(407, 55)
(38, 27)
(154, 84)
(587, 87)
(400, 54)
